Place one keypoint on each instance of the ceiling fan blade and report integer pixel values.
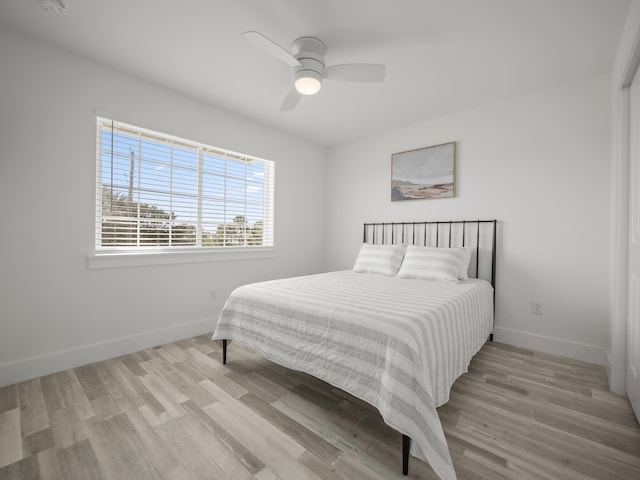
(271, 48)
(291, 100)
(356, 72)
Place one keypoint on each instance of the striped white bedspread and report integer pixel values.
(398, 344)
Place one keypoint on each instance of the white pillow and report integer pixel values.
(385, 259)
(431, 263)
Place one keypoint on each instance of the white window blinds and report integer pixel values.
(156, 191)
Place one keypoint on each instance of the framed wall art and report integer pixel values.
(424, 173)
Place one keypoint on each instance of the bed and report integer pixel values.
(396, 330)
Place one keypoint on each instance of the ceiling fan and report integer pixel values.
(309, 69)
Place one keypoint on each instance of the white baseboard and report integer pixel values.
(33, 367)
(554, 346)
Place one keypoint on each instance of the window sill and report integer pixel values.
(140, 259)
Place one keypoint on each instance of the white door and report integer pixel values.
(633, 326)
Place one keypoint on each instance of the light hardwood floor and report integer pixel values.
(174, 412)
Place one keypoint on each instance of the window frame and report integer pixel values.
(137, 255)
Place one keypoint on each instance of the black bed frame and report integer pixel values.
(478, 234)
(481, 235)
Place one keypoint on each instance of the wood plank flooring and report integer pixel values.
(175, 412)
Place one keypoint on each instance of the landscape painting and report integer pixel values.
(424, 173)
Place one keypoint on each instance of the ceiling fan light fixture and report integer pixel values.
(308, 82)
(306, 57)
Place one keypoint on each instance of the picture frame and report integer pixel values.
(424, 173)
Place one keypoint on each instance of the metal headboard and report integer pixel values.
(480, 234)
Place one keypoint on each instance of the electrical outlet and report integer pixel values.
(536, 307)
(212, 294)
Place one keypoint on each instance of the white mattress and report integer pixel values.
(398, 344)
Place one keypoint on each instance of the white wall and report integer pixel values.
(540, 165)
(55, 312)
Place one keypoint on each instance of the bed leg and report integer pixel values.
(491, 337)
(406, 443)
(224, 352)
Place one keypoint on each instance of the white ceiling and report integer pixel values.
(441, 56)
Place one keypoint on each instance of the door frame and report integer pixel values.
(624, 69)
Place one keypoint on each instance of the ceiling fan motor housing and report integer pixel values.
(309, 51)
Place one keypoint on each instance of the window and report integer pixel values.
(162, 193)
